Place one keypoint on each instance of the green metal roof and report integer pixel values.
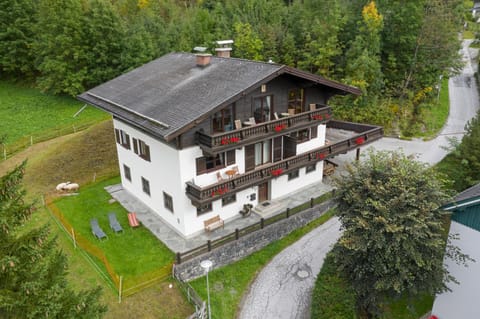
(466, 208)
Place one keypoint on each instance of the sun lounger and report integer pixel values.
(114, 224)
(132, 220)
(96, 230)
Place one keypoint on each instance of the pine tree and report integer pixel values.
(32, 270)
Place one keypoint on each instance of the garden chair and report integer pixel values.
(132, 220)
(114, 224)
(96, 230)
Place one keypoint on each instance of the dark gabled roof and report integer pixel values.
(469, 197)
(172, 93)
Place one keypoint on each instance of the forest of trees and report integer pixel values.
(394, 51)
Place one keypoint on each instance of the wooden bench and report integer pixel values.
(213, 223)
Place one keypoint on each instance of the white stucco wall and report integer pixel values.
(314, 142)
(462, 301)
(281, 186)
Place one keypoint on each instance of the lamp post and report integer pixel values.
(206, 265)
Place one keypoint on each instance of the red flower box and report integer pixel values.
(359, 140)
(327, 116)
(321, 156)
(317, 117)
(280, 127)
(234, 139)
(277, 172)
(224, 141)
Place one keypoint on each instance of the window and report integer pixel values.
(305, 135)
(146, 186)
(229, 199)
(263, 152)
(295, 100)
(122, 138)
(293, 175)
(168, 202)
(205, 208)
(222, 121)
(262, 108)
(141, 149)
(206, 164)
(310, 168)
(126, 172)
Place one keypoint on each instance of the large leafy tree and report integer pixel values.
(17, 21)
(32, 270)
(393, 240)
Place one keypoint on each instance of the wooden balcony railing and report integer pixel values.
(364, 134)
(221, 142)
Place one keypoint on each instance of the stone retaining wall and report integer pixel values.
(250, 243)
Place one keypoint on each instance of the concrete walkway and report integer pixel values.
(278, 291)
(178, 243)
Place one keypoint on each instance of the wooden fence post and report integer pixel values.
(262, 223)
(209, 245)
(179, 259)
(288, 212)
(311, 202)
(237, 234)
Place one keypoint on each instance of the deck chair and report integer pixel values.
(219, 177)
(114, 224)
(275, 115)
(132, 220)
(96, 230)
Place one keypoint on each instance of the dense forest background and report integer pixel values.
(396, 52)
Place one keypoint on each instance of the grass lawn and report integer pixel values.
(436, 116)
(228, 284)
(26, 111)
(131, 253)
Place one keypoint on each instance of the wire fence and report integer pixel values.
(9, 149)
(124, 287)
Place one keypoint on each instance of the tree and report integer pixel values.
(17, 21)
(247, 44)
(32, 270)
(393, 230)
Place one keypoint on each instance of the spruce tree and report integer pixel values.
(32, 270)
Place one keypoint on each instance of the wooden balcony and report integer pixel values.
(221, 142)
(362, 135)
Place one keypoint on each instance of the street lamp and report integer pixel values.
(206, 265)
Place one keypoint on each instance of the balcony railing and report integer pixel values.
(213, 144)
(364, 134)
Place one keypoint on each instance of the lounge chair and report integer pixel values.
(96, 230)
(114, 224)
(132, 220)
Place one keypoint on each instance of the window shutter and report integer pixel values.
(128, 140)
(147, 152)
(117, 136)
(201, 165)
(135, 145)
(249, 157)
(230, 157)
(277, 149)
(289, 146)
(314, 132)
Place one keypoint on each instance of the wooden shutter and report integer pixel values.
(128, 140)
(201, 165)
(230, 157)
(147, 153)
(135, 145)
(277, 149)
(314, 132)
(289, 146)
(249, 157)
(117, 136)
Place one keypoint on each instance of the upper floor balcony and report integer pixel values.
(342, 136)
(220, 142)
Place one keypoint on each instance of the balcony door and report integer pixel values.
(296, 100)
(262, 108)
(222, 121)
(258, 154)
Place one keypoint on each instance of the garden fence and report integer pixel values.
(9, 149)
(124, 287)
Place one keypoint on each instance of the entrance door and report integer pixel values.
(263, 192)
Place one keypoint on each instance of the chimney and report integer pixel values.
(202, 58)
(224, 49)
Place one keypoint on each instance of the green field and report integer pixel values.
(26, 111)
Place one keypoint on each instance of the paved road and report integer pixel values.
(282, 289)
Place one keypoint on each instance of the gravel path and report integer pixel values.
(283, 287)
